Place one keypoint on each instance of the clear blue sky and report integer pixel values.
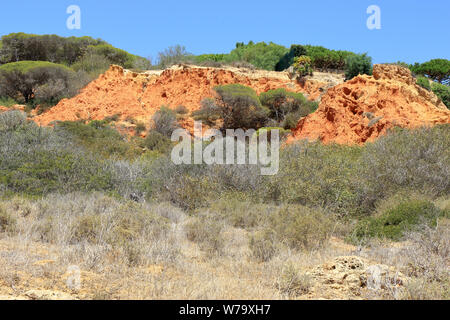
(410, 30)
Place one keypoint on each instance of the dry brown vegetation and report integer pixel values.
(129, 250)
(336, 222)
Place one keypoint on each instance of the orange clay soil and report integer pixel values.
(138, 95)
(365, 107)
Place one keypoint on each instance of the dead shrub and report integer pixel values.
(8, 222)
(263, 245)
(293, 283)
(207, 234)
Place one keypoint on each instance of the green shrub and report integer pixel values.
(113, 55)
(7, 102)
(288, 59)
(281, 103)
(443, 92)
(261, 55)
(200, 59)
(394, 222)
(423, 82)
(357, 64)
(27, 66)
(181, 110)
(300, 227)
(48, 81)
(317, 175)
(240, 107)
(404, 160)
(302, 66)
(191, 192)
(209, 112)
(164, 121)
(100, 138)
(92, 63)
(140, 128)
(157, 142)
(36, 160)
(326, 59)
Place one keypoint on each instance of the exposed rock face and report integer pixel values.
(365, 107)
(139, 95)
(351, 277)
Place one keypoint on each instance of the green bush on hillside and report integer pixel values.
(113, 55)
(156, 141)
(303, 66)
(317, 175)
(261, 55)
(37, 161)
(443, 92)
(237, 105)
(357, 64)
(286, 107)
(7, 102)
(423, 82)
(394, 222)
(164, 121)
(46, 81)
(288, 59)
(326, 59)
(92, 63)
(414, 159)
(100, 138)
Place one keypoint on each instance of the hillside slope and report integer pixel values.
(138, 95)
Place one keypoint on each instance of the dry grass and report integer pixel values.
(128, 250)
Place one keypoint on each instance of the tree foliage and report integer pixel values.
(358, 64)
(237, 106)
(261, 55)
(442, 91)
(52, 48)
(31, 78)
(173, 55)
(286, 107)
(326, 59)
(435, 69)
(288, 59)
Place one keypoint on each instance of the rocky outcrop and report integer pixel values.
(138, 95)
(349, 277)
(365, 107)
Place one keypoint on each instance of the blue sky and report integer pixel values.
(410, 30)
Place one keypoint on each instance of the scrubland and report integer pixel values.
(139, 227)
